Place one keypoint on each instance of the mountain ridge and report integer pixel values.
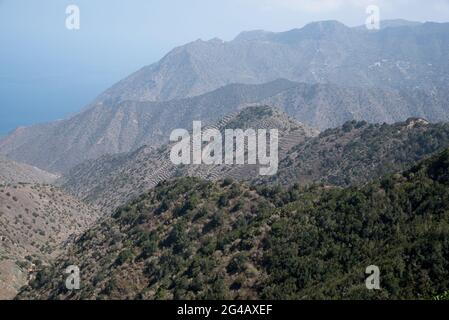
(198, 63)
(13, 172)
(112, 180)
(126, 126)
(344, 156)
(358, 152)
(407, 63)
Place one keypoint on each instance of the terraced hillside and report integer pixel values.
(112, 180)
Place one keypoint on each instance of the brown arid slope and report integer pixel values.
(384, 76)
(35, 222)
(14, 172)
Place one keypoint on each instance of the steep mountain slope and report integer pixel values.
(123, 127)
(352, 154)
(330, 106)
(13, 172)
(126, 126)
(110, 181)
(414, 56)
(34, 221)
(358, 152)
(191, 239)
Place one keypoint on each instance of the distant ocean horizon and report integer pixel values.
(25, 104)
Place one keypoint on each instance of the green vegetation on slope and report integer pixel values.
(359, 152)
(191, 239)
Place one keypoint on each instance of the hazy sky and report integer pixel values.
(48, 72)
